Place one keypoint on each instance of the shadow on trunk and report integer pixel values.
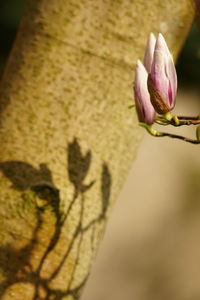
(15, 263)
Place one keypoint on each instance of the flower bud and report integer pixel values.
(144, 108)
(148, 57)
(162, 81)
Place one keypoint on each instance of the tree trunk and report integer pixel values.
(67, 136)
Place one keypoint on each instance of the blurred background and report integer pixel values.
(151, 249)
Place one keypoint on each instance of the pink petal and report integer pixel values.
(150, 47)
(171, 74)
(158, 74)
(163, 72)
(145, 110)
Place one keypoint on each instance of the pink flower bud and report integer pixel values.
(148, 57)
(162, 81)
(144, 108)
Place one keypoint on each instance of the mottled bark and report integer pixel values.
(67, 136)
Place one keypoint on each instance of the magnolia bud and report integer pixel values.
(144, 108)
(162, 80)
(149, 52)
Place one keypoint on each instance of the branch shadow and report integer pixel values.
(16, 263)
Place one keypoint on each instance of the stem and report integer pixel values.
(181, 117)
(181, 122)
(188, 122)
(156, 133)
(188, 118)
(161, 122)
(175, 136)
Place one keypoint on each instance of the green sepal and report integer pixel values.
(168, 116)
(131, 106)
(148, 128)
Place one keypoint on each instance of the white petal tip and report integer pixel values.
(160, 35)
(152, 36)
(161, 40)
(140, 66)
